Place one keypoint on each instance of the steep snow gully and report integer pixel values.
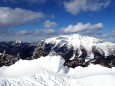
(64, 61)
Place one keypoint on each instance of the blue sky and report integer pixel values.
(34, 20)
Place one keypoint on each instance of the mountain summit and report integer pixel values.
(17, 41)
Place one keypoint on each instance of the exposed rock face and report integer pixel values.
(7, 60)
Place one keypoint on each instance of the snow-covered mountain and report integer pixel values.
(78, 50)
(17, 41)
(64, 61)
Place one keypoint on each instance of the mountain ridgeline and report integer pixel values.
(75, 49)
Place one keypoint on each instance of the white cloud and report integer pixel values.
(96, 26)
(49, 24)
(17, 16)
(22, 33)
(44, 32)
(77, 6)
(81, 27)
(49, 31)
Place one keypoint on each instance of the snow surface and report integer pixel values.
(49, 71)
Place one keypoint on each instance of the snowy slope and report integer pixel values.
(34, 73)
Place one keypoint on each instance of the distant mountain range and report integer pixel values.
(15, 50)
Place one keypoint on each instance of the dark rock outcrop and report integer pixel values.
(99, 58)
(7, 60)
(78, 60)
(74, 63)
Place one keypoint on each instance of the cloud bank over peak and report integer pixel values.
(81, 27)
(77, 6)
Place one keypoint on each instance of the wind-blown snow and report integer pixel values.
(49, 71)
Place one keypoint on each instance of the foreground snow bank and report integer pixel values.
(25, 67)
(49, 71)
